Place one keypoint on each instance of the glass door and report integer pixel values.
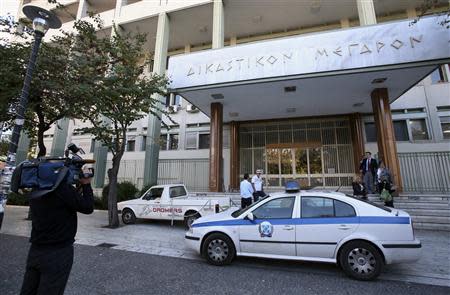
(302, 164)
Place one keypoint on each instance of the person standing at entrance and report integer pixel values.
(385, 185)
(257, 184)
(246, 192)
(369, 168)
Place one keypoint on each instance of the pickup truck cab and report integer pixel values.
(171, 202)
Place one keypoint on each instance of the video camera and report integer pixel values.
(75, 163)
(43, 175)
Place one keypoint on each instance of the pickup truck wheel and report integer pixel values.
(218, 249)
(190, 218)
(128, 216)
(361, 260)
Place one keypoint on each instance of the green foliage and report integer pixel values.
(17, 199)
(98, 204)
(146, 188)
(4, 144)
(125, 191)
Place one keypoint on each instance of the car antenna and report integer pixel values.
(338, 188)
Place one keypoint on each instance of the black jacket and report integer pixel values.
(358, 190)
(54, 215)
(373, 166)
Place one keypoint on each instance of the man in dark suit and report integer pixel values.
(368, 168)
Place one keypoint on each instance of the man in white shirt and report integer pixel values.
(246, 192)
(257, 184)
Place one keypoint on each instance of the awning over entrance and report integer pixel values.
(319, 74)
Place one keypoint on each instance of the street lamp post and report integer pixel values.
(42, 21)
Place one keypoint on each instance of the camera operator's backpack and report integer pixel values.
(41, 176)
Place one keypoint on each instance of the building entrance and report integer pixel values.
(315, 152)
(303, 164)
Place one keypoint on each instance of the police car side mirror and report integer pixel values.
(250, 216)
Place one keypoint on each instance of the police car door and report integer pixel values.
(272, 231)
(150, 204)
(324, 222)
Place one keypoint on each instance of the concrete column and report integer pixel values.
(22, 148)
(412, 13)
(83, 7)
(60, 138)
(345, 23)
(154, 124)
(100, 157)
(234, 157)
(119, 5)
(233, 41)
(218, 24)
(356, 128)
(387, 148)
(366, 12)
(216, 148)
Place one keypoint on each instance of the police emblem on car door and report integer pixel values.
(265, 229)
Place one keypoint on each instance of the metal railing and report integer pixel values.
(425, 172)
(192, 172)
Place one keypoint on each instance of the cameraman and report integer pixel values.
(54, 225)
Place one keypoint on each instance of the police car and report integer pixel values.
(321, 226)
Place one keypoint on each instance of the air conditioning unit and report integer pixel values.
(191, 108)
(172, 109)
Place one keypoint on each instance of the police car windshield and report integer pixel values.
(371, 203)
(240, 211)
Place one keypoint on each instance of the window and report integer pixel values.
(91, 149)
(445, 125)
(191, 140)
(173, 141)
(131, 129)
(317, 207)
(143, 143)
(154, 193)
(342, 209)
(203, 141)
(131, 145)
(177, 100)
(418, 129)
(439, 75)
(177, 191)
(163, 142)
(314, 207)
(278, 208)
(371, 132)
(401, 130)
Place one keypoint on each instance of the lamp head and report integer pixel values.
(42, 19)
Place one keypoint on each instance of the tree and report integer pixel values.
(58, 82)
(122, 94)
(427, 6)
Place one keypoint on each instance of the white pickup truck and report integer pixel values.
(171, 202)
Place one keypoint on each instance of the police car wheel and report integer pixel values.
(218, 249)
(361, 260)
(128, 216)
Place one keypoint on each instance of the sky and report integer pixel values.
(9, 6)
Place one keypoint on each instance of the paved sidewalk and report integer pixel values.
(159, 238)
